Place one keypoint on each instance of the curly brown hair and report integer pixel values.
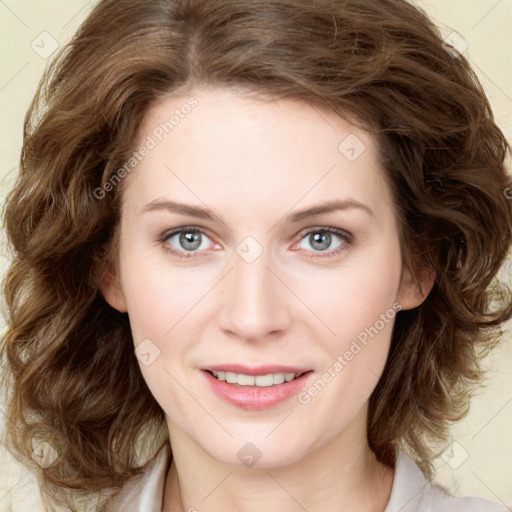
(72, 378)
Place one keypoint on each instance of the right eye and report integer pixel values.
(184, 242)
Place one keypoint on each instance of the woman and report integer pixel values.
(254, 244)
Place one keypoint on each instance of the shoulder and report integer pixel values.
(412, 492)
(441, 501)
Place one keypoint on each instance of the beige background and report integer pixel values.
(479, 461)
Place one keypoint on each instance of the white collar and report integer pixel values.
(409, 486)
(411, 491)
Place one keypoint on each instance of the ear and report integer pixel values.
(412, 291)
(112, 292)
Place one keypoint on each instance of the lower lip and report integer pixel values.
(256, 398)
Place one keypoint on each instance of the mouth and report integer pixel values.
(261, 381)
(256, 388)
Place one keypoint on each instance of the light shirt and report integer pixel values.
(411, 492)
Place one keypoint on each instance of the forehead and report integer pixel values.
(231, 147)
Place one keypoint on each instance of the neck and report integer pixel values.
(342, 475)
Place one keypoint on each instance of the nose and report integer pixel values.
(256, 301)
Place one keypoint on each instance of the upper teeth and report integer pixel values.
(251, 380)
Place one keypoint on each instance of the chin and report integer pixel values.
(258, 450)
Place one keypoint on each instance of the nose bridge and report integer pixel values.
(254, 306)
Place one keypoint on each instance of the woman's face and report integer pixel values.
(288, 258)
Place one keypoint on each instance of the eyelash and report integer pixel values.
(343, 235)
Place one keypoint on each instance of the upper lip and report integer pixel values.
(256, 370)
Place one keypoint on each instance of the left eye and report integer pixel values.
(321, 239)
(191, 240)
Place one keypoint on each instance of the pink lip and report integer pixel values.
(252, 397)
(256, 370)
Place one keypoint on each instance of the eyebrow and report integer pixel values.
(294, 217)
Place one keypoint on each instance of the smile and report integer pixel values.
(255, 392)
(271, 379)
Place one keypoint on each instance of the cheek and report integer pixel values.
(163, 304)
(361, 306)
(352, 298)
(358, 307)
(158, 295)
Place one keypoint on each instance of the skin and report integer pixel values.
(252, 162)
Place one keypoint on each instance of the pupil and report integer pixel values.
(189, 240)
(324, 240)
